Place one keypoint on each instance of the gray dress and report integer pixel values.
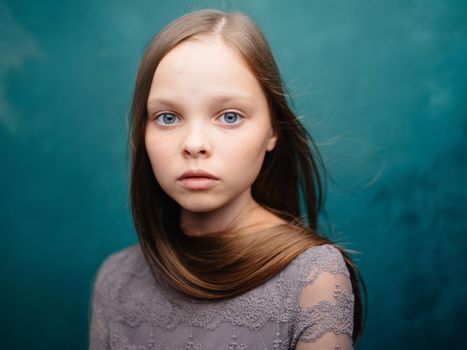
(307, 305)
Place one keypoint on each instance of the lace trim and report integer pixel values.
(168, 309)
(328, 259)
(316, 320)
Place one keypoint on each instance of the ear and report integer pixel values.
(272, 142)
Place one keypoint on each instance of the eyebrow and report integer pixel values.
(214, 100)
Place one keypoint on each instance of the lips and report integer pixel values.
(198, 173)
(198, 180)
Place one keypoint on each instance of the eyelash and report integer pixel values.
(237, 114)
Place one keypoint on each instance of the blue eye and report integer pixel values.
(231, 117)
(168, 118)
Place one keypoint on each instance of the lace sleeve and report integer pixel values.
(98, 331)
(325, 320)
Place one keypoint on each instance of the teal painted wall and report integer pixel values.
(381, 86)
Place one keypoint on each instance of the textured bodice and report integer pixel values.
(307, 305)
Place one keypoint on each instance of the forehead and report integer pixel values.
(204, 65)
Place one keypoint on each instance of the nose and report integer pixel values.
(195, 143)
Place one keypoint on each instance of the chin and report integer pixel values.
(199, 205)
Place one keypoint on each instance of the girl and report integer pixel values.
(224, 260)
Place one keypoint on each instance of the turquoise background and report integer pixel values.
(381, 85)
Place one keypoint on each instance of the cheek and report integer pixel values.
(244, 160)
(250, 148)
(160, 153)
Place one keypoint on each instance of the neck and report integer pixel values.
(242, 212)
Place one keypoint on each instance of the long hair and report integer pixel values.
(229, 262)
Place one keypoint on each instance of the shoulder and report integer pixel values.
(325, 297)
(310, 263)
(119, 266)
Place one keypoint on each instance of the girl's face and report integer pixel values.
(207, 111)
